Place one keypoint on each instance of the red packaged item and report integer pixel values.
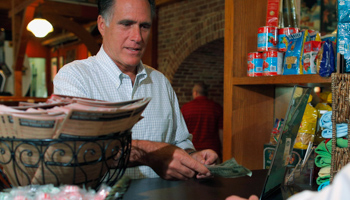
(254, 64)
(272, 13)
(272, 63)
(311, 49)
(44, 196)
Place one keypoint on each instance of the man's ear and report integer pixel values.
(101, 24)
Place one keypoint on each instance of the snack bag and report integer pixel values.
(314, 36)
(326, 101)
(343, 43)
(327, 63)
(293, 57)
(318, 59)
(307, 127)
(311, 49)
(275, 133)
(344, 11)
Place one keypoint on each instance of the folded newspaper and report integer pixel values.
(58, 118)
(229, 169)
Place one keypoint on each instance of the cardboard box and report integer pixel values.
(272, 13)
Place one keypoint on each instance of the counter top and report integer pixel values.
(216, 188)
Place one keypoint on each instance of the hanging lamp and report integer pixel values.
(39, 26)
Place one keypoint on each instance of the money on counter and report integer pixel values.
(229, 169)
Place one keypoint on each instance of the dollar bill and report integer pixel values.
(229, 169)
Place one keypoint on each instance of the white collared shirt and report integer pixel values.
(98, 77)
(337, 190)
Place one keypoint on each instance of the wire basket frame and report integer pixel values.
(82, 161)
(340, 114)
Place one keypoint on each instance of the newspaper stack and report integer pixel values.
(64, 117)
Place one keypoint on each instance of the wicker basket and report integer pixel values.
(83, 161)
(340, 114)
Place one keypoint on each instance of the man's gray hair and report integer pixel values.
(201, 88)
(105, 9)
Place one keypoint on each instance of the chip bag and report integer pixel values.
(327, 62)
(311, 49)
(293, 57)
(307, 127)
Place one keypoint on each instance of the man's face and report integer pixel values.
(125, 39)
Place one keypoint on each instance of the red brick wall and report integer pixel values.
(184, 28)
(204, 64)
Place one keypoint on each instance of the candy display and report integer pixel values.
(285, 49)
(50, 192)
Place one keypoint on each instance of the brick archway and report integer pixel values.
(210, 28)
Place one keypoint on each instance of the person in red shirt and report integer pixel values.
(204, 120)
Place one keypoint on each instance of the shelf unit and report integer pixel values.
(249, 102)
(13, 100)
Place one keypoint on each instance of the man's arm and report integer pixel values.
(168, 161)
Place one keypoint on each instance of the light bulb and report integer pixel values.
(40, 27)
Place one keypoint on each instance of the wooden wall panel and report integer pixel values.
(252, 122)
(248, 113)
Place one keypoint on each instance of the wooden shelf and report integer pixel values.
(24, 99)
(281, 80)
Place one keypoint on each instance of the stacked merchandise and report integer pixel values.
(322, 107)
(283, 49)
(63, 124)
(343, 34)
(324, 149)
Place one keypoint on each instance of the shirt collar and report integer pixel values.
(200, 97)
(116, 74)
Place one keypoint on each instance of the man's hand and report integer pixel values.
(168, 161)
(206, 157)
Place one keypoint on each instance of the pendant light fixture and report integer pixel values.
(39, 26)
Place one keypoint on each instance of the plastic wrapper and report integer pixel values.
(293, 57)
(50, 192)
(326, 101)
(275, 133)
(327, 62)
(307, 127)
(343, 44)
(344, 11)
(311, 49)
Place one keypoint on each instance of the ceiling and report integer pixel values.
(66, 16)
(82, 12)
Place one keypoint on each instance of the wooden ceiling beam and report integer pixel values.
(78, 30)
(20, 21)
(23, 5)
(70, 10)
